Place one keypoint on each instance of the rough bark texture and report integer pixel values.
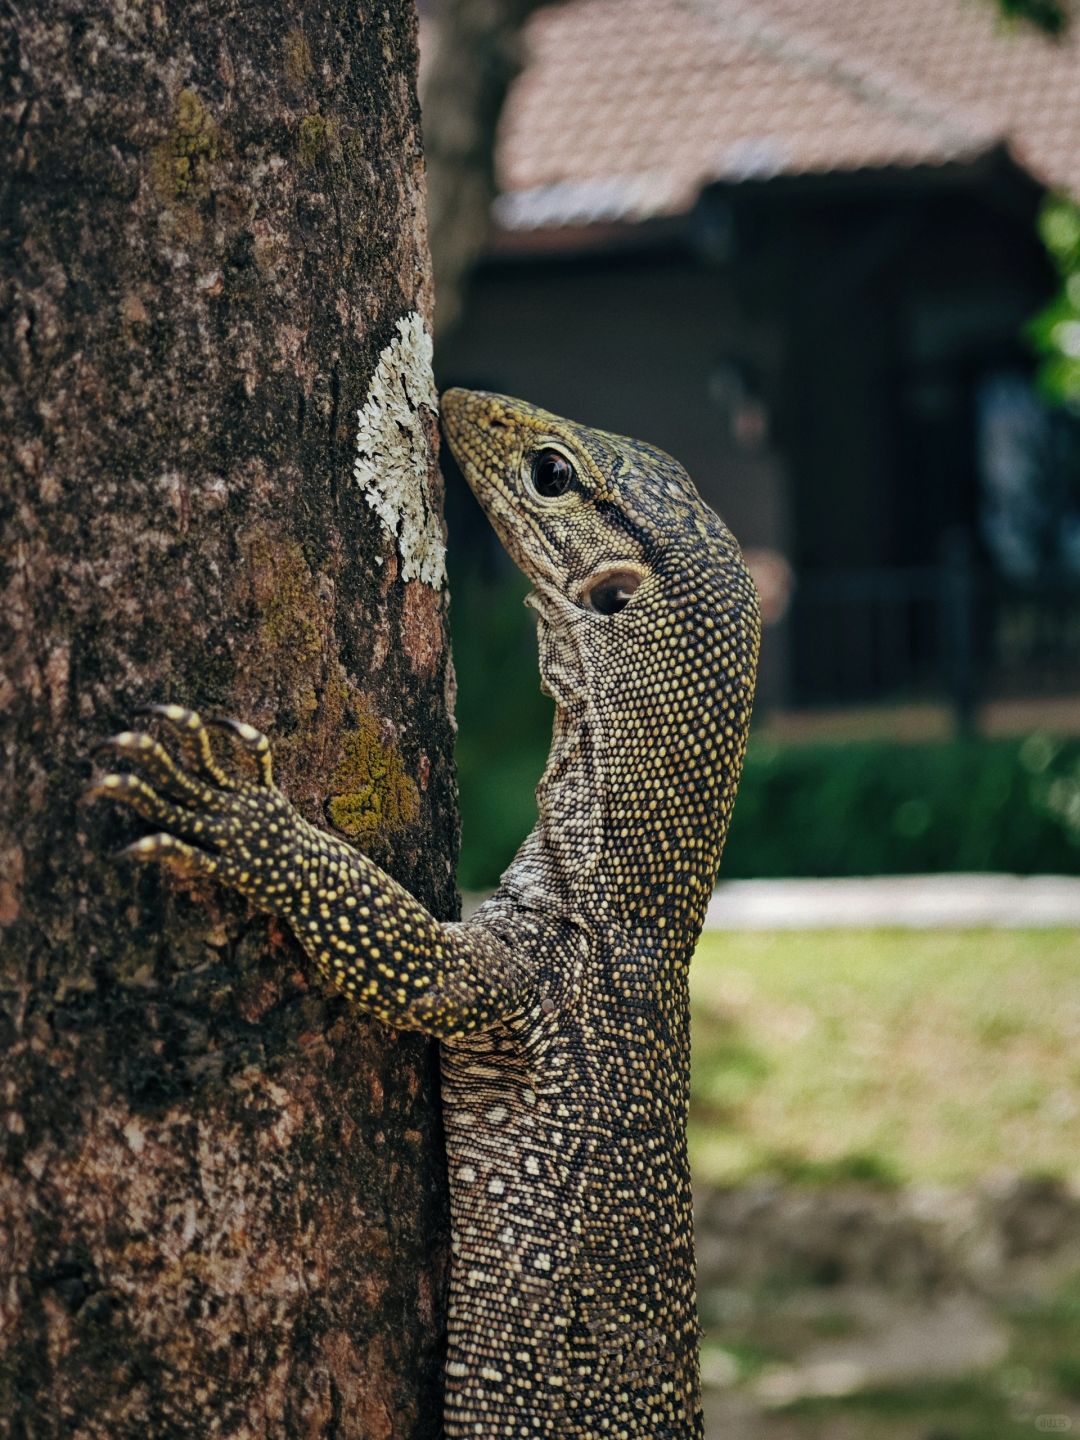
(473, 53)
(222, 1206)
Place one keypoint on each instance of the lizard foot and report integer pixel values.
(210, 822)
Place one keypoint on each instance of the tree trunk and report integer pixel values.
(222, 1209)
(473, 54)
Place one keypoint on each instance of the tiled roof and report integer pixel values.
(627, 108)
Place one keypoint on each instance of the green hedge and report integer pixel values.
(879, 808)
(861, 808)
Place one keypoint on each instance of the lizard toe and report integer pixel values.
(154, 760)
(167, 849)
(252, 740)
(137, 795)
(194, 741)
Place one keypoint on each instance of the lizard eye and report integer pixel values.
(551, 474)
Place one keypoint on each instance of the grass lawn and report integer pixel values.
(890, 1054)
(898, 1056)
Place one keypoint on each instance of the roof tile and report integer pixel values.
(627, 108)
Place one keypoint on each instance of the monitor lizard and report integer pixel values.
(561, 1004)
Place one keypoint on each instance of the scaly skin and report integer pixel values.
(562, 1005)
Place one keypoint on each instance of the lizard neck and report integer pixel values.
(635, 800)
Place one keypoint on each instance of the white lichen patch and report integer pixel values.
(392, 451)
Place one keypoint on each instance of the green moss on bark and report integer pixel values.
(184, 161)
(372, 793)
(318, 137)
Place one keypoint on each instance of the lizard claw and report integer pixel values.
(166, 848)
(194, 740)
(253, 741)
(207, 821)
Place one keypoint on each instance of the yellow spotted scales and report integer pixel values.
(562, 1004)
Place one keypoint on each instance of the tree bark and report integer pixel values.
(222, 1207)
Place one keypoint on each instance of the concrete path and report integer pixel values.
(1010, 902)
(917, 901)
(908, 1345)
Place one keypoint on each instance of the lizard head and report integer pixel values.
(599, 523)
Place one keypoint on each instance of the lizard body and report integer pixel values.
(562, 1005)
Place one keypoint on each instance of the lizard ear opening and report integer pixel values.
(610, 590)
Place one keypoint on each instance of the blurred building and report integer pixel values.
(794, 243)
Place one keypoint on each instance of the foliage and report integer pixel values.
(504, 725)
(1055, 331)
(1051, 16)
(882, 808)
